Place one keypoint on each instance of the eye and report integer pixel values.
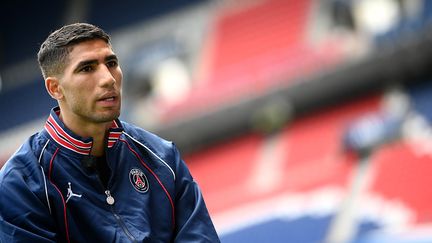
(112, 63)
(86, 69)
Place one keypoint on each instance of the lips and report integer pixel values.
(111, 96)
(108, 99)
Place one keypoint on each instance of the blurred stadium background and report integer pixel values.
(303, 121)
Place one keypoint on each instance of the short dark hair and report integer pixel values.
(53, 53)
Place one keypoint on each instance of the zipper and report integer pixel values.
(110, 200)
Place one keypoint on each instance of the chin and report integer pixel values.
(106, 116)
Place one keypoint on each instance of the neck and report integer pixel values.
(98, 148)
(97, 131)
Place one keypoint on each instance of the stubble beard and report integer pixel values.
(103, 118)
(99, 116)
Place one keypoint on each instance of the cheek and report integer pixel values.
(119, 77)
(77, 93)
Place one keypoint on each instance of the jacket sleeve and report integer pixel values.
(24, 217)
(193, 222)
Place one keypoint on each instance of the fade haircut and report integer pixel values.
(54, 51)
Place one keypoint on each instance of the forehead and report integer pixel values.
(89, 50)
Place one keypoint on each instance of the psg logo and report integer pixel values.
(138, 180)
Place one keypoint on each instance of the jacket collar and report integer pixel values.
(67, 139)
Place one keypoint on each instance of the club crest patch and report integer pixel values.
(138, 180)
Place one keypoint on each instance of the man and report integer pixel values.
(88, 177)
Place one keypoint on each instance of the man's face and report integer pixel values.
(91, 83)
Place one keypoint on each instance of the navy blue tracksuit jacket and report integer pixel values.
(47, 194)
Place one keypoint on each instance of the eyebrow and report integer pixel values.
(95, 61)
(111, 58)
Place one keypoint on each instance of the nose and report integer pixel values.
(106, 78)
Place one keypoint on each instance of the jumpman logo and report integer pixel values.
(70, 193)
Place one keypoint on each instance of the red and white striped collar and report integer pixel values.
(67, 139)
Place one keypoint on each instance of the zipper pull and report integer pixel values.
(110, 200)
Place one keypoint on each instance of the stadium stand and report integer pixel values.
(17, 33)
(15, 82)
(299, 123)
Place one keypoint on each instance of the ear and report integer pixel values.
(52, 85)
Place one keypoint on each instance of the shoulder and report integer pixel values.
(23, 164)
(148, 139)
(164, 152)
(22, 188)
